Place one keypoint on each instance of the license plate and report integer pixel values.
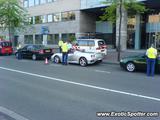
(47, 51)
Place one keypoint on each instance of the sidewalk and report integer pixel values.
(111, 57)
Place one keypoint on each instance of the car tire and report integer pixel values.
(56, 59)
(83, 61)
(34, 57)
(130, 67)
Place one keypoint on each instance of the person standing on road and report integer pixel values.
(64, 53)
(19, 52)
(60, 45)
(151, 60)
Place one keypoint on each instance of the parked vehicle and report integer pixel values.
(93, 45)
(34, 52)
(6, 47)
(137, 63)
(79, 57)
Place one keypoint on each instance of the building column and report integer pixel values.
(137, 32)
(123, 39)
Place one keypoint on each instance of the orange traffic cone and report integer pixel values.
(46, 61)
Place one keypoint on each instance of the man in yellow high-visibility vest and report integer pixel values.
(64, 53)
(151, 60)
(60, 45)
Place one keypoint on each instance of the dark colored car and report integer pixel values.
(35, 52)
(137, 63)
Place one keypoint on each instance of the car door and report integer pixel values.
(29, 51)
(23, 51)
(140, 62)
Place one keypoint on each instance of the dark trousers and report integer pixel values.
(20, 56)
(64, 58)
(150, 66)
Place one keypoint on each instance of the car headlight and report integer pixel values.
(121, 60)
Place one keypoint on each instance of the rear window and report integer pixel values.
(6, 44)
(100, 43)
(86, 43)
(82, 43)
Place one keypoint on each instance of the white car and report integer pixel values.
(79, 57)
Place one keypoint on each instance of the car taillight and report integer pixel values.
(104, 46)
(41, 52)
(98, 48)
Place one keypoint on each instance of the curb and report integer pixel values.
(109, 62)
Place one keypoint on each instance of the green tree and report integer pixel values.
(111, 14)
(12, 17)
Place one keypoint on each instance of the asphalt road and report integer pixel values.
(31, 90)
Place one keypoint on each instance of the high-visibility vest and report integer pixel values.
(64, 47)
(151, 53)
(60, 43)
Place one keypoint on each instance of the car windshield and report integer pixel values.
(39, 47)
(6, 44)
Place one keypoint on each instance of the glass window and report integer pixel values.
(82, 42)
(36, 2)
(65, 16)
(38, 20)
(38, 39)
(43, 19)
(31, 20)
(71, 15)
(28, 39)
(25, 3)
(31, 3)
(91, 43)
(42, 1)
(49, 1)
(56, 39)
(56, 17)
(50, 18)
(68, 16)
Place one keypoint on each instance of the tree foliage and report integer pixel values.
(132, 7)
(12, 16)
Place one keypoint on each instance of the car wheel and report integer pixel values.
(34, 57)
(130, 66)
(83, 61)
(56, 59)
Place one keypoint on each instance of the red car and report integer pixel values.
(6, 47)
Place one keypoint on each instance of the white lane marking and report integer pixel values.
(12, 114)
(84, 85)
(101, 71)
